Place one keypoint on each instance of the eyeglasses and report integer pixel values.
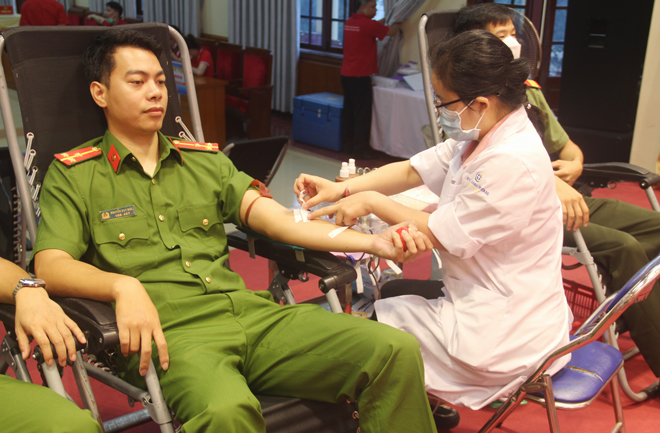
(439, 105)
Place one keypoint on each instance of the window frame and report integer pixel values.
(326, 32)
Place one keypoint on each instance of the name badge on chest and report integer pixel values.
(121, 212)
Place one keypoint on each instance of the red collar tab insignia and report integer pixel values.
(191, 145)
(532, 83)
(114, 158)
(80, 155)
(264, 191)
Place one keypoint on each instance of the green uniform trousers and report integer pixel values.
(623, 238)
(26, 407)
(241, 343)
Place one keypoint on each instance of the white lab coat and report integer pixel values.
(500, 220)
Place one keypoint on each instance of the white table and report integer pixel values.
(398, 115)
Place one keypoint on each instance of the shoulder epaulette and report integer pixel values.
(79, 155)
(191, 145)
(532, 83)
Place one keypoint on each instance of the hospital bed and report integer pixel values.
(58, 113)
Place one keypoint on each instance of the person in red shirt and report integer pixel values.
(111, 16)
(43, 13)
(201, 59)
(360, 62)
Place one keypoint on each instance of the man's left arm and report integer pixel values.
(268, 217)
(569, 165)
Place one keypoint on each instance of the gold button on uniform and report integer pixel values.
(133, 159)
(122, 236)
(160, 217)
(205, 222)
(208, 279)
(153, 181)
(188, 264)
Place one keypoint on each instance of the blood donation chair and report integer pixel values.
(435, 27)
(58, 113)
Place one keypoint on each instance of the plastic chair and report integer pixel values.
(593, 364)
(58, 50)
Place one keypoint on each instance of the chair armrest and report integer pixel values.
(96, 319)
(334, 272)
(600, 175)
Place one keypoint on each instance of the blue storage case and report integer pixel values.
(317, 119)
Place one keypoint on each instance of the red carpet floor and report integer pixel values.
(640, 417)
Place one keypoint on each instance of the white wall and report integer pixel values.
(646, 139)
(82, 3)
(410, 49)
(215, 17)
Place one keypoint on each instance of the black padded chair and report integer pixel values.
(58, 113)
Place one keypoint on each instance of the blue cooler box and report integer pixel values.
(317, 119)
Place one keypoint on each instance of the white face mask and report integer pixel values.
(450, 121)
(514, 45)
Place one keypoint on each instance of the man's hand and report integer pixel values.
(138, 323)
(574, 208)
(568, 171)
(317, 190)
(99, 19)
(389, 244)
(37, 315)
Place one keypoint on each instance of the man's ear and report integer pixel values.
(98, 91)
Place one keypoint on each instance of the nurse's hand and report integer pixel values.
(317, 190)
(574, 208)
(138, 323)
(390, 243)
(349, 209)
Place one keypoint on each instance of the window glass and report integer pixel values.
(337, 37)
(380, 12)
(317, 8)
(316, 32)
(562, 3)
(560, 26)
(304, 31)
(304, 7)
(556, 59)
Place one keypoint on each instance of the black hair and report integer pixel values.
(116, 6)
(191, 42)
(477, 63)
(477, 17)
(98, 59)
(360, 3)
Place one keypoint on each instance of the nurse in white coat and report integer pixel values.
(498, 226)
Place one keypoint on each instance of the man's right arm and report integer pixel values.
(394, 29)
(137, 317)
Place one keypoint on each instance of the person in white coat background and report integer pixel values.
(498, 226)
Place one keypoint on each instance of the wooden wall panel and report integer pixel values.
(318, 73)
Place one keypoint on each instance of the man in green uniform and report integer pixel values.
(620, 236)
(27, 407)
(137, 219)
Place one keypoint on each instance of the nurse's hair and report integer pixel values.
(477, 63)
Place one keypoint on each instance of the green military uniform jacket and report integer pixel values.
(554, 137)
(167, 231)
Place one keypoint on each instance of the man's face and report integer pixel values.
(502, 30)
(369, 9)
(110, 13)
(136, 98)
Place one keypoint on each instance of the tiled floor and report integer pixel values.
(304, 158)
